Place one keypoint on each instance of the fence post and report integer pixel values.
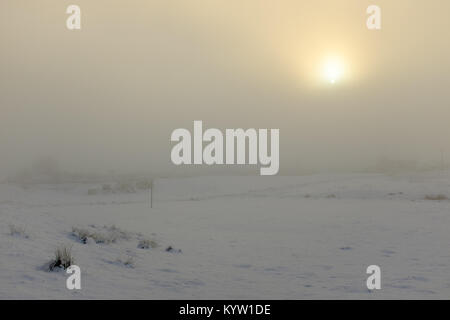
(151, 194)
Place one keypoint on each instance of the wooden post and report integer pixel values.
(151, 194)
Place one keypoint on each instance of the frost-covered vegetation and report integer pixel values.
(105, 234)
(63, 258)
(19, 231)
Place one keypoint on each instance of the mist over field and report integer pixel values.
(107, 97)
(88, 180)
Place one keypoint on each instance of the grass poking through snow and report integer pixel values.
(104, 235)
(18, 231)
(438, 197)
(62, 260)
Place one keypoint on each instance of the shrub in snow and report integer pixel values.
(62, 260)
(436, 197)
(125, 187)
(172, 250)
(81, 234)
(127, 261)
(147, 244)
(18, 231)
(115, 233)
(105, 235)
(144, 185)
(120, 187)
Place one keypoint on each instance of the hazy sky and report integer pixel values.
(109, 95)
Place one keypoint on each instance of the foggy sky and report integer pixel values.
(108, 96)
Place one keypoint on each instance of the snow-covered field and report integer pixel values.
(307, 237)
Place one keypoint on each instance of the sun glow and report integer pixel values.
(333, 70)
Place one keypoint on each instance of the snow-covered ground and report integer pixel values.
(304, 237)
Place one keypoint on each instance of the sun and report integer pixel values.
(333, 70)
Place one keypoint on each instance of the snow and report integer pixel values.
(305, 237)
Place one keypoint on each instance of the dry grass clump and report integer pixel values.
(105, 235)
(81, 234)
(127, 261)
(116, 233)
(122, 187)
(19, 231)
(173, 250)
(147, 244)
(438, 197)
(144, 184)
(63, 258)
